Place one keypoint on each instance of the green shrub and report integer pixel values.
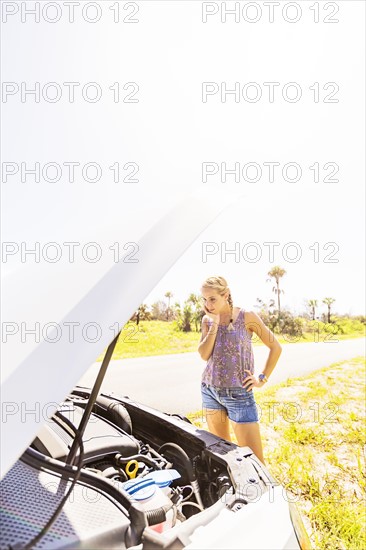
(286, 323)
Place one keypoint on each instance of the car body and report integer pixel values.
(98, 470)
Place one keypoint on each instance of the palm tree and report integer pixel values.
(144, 312)
(168, 295)
(186, 318)
(328, 302)
(312, 304)
(276, 273)
(141, 314)
(198, 313)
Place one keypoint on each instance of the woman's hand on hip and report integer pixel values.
(251, 381)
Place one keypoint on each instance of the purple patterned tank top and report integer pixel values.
(232, 353)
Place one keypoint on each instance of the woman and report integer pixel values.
(228, 379)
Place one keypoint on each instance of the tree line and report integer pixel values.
(188, 316)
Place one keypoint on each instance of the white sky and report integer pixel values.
(305, 279)
(171, 132)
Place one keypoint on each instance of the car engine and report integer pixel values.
(138, 478)
(112, 452)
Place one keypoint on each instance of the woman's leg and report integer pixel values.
(248, 434)
(218, 423)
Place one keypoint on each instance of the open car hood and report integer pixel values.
(59, 316)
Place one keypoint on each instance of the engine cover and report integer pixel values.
(101, 438)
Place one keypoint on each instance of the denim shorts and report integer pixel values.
(238, 403)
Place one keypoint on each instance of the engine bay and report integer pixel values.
(159, 460)
(159, 477)
(139, 477)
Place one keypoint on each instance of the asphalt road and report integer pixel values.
(171, 383)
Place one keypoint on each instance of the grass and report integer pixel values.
(313, 433)
(153, 338)
(160, 338)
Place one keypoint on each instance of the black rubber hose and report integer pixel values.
(112, 472)
(183, 454)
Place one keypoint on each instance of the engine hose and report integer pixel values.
(112, 472)
(197, 494)
(183, 454)
(140, 458)
(189, 469)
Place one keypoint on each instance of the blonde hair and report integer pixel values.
(220, 285)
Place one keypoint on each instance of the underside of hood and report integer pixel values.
(84, 309)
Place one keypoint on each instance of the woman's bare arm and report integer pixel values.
(255, 324)
(208, 338)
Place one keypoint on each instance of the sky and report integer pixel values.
(203, 103)
(319, 261)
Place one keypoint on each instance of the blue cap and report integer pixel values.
(140, 489)
(163, 478)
